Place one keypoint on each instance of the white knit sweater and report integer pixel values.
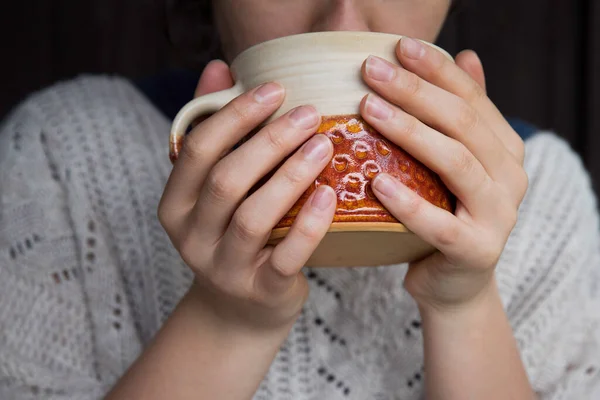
(87, 274)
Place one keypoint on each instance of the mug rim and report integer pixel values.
(332, 36)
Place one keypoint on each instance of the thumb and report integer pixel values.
(469, 62)
(215, 77)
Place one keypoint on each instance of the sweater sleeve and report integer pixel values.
(46, 343)
(87, 275)
(552, 290)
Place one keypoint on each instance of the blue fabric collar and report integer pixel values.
(523, 128)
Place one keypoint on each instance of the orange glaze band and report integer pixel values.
(360, 153)
(175, 147)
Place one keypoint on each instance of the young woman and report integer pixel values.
(96, 301)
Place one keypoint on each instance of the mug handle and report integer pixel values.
(202, 105)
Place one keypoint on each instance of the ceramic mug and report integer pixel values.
(323, 69)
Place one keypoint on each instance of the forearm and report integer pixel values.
(471, 353)
(197, 356)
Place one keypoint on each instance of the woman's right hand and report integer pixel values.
(220, 232)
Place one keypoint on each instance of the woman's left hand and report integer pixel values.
(439, 112)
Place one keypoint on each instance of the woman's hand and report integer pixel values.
(223, 335)
(439, 112)
(220, 233)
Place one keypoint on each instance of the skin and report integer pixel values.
(223, 336)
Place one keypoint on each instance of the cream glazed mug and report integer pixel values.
(324, 69)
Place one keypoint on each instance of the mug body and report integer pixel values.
(324, 70)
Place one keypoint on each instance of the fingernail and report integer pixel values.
(378, 108)
(412, 48)
(304, 117)
(385, 185)
(317, 148)
(379, 69)
(322, 198)
(268, 93)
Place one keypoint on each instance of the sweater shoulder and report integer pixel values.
(548, 273)
(551, 161)
(87, 105)
(77, 134)
(94, 125)
(82, 168)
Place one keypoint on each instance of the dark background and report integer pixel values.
(542, 57)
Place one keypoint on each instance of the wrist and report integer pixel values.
(199, 353)
(484, 301)
(472, 342)
(228, 324)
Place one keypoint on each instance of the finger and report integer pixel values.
(291, 254)
(215, 77)
(432, 66)
(434, 225)
(231, 179)
(253, 221)
(460, 171)
(208, 141)
(444, 112)
(469, 62)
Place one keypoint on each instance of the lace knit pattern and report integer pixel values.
(87, 275)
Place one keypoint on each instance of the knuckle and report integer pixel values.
(264, 300)
(310, 230)
(194, 148)
(413, 206)
(294, 174)
(512, 216)
(409, 127)
(247, 227)
(519, 149)
(521, 184)
(164, 216)
(468, 118)
(524, 183)
(169, 219)
(412, 84)
(462, 162)
(475, 93)
(188, 249)
(222, 280)
(447, 236)
(506, 213)
(440, 66)
(239, 110)
(490, 253)
(283, 264)
(274, 138)
(220, 184)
